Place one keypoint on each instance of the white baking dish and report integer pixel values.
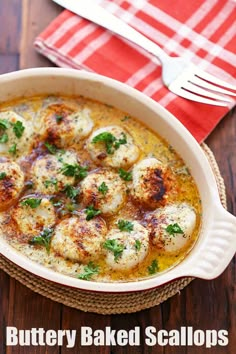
(216, 244)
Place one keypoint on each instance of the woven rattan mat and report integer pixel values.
(107, 303)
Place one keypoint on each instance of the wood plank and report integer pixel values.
(29, 310)
(36, 16)
(10, 24)
(4, 306)
(8, 62)
(74, 319)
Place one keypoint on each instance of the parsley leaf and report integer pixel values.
(18, 129)
(103, 188)
(44, 238)
(126, 176)
(59, 118)
(125, 225)
(153, 268)
(32, 202)
(52, 181)
(121, 141)
(12, 149)
(89, 270)
(70, 207)
(71, 192)
(91, 212)
(4, 138)
(115, 247)
(111, 142)
(51, 148)
(75, 170)
(3, 175)
(107, 138)
(4, 124)
(174, 229)
(137, 245)
(56, 203)
(29, 184)
(125, 118)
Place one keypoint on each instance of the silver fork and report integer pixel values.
(178, 74)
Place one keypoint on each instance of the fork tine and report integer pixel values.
(200, 91)
(191, 96)
(196, 80)
(202, 74)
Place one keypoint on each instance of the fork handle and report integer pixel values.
(95, 13)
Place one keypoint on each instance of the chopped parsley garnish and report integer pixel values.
(44, 238)
(71, 207)
(51, 148)
(103, 188)
(125, 118)
(126, 176)
(107, 138)
(56, 203)
(125, 225)
(12, 149)
(91, 212)
(18, 129)
(32, 202)
(51, 182)
(111, 142)
(137, 245)
(3, 175)
(4, 138)
(4, 124)
(121, 141)
(89, 270)
(174, 229)
(153, 268)
(59, 118)
(71, 192)
(115, 247)
(75, 170)
(29, 184)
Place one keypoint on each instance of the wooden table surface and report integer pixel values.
(202, 305)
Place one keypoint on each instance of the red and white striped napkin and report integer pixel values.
(203, 31)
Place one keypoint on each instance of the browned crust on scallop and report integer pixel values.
(52, 112)
(8, 190)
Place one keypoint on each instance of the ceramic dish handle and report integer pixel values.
(219, 247)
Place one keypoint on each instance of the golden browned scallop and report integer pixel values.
(32, 214)
(16, 134)
(11, 182)
(48, 172)
(126, 247)
(149, 186)
(78, 239)
(112, 146)
(65, 126)
(171, 227)
(105, 190)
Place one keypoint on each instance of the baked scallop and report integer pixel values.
(148, 186)
(48, 175)
(33, 214)
(65, 126)
(128, 247)
(112, 146)
(171, 227)
(11, 182)
(78, 239)
(15, 134)
(105, 190)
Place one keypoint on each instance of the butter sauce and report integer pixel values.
(182, 185)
